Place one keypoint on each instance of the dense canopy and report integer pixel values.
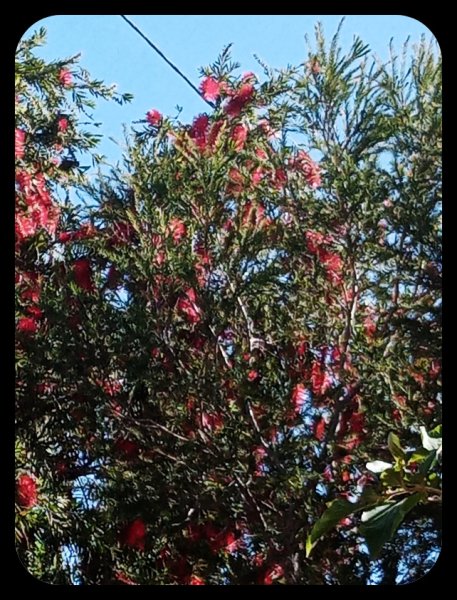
(229, 347)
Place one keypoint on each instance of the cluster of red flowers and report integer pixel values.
(217, 539)
(212, 421)
(29, 286)
(239, 99)
(177, 229)
(202, 264)
(319, 428)
(351, 425)
(318, 244)
(298, 397)
(62, 124)
(320, 378)
(35, 208)
(187, 306)
(86, 231)
(82, 272)
(133, 534)
(127, 448)
(154, 117)
(239, 136)
(210, 89)
(204, 136)
(19, 143)
(65, 78)
(26, 491)
(308, 167)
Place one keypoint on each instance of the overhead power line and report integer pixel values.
(162, 55)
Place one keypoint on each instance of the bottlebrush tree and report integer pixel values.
(235, 378)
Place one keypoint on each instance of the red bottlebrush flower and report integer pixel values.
(261, 154)
(328, 474)
(65, 78)
(179, 568)
(187, 305)
(253, 214)
(86, 231)
(219, 539)
(177, 229)
(32, 286)
(26, 491)
(298, 397)
(112, 388)
(212, 421)
(308, 167)
(199, 126)
(258, 560)
(83, 274)
(396, 414)
(35, 312)
(279, 179)
(210, 89)
(199, 130)
(257, 176)
(113, 278)
(235, 185)
(249, 77)
(400, 400)
(122, 577)
(156, 240)
(302, 349)
(357, 422)
(239, 136)
(23, 179)
(160, 257)
(314, 241)
(134, 534)
(245, 92)
(213, 134)
(231, 543)
(239, 100)
(62, 124)
(27, 325)
(319, 429)
(154, 117)
(333, 265)
(65, 237)
(128, 448)
(122, 233)
(195, 580)
(345, 476)
(253, 375)
(19, 143)
(320, 379)
(273, 573)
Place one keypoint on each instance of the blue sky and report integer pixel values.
(113, 52)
